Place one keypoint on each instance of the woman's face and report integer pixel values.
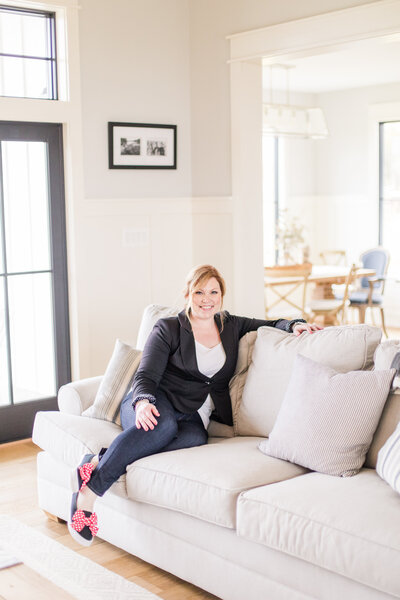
(206, 300)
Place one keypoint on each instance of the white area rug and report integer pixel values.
(7, 559)
(77, 575)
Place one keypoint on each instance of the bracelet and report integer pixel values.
(149, 397)
(289, 325)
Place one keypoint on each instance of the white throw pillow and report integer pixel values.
(327, 419)
(388, 463)
(385, 353)
(114, 385)
(346, 348)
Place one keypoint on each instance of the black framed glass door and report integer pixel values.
(34, 324)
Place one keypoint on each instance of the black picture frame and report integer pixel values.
(141, 146)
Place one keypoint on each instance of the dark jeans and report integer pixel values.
(174, 430)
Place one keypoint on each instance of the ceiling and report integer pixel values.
(363, 63)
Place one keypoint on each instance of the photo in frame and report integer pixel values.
(141, 146)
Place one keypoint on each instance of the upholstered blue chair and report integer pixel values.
(371, 290)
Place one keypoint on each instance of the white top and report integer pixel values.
(209, 362)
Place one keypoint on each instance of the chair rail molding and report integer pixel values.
(249, 50)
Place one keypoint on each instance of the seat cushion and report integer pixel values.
(347, 525)
(206, 481)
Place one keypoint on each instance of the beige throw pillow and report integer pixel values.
(346, 348)
(114, 385)
(327, 419)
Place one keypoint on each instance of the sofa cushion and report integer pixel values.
(327, 419)
(205, 481)
(114, 385)
(388, 463)
(387, 424)
(347, 348)
(67, 437)
(237, 383)
(346, 525)
(151, 314)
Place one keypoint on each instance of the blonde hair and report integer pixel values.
(196, 278)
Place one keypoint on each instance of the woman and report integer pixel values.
(182, 381)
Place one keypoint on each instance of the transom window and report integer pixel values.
(27, 53)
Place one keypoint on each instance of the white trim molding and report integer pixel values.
(317, 34)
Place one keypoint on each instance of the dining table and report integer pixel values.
(323, 276)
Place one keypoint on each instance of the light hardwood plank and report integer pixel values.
(22, 583)
(18, 498)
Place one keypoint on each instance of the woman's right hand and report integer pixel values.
(146, 414)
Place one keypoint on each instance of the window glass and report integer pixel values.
(25, 77)
(32, 340)
(27, 54)
(26, 206)
(24, 34)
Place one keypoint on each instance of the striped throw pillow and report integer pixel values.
(327, 419)
(114, 385)
(388, 463)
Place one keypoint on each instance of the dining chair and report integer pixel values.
(333, 257)
(334, 311)
(370, 293)
(289, 293)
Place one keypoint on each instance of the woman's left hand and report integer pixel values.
(298, 328)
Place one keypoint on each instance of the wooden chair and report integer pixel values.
(333, 257)
(333, 310)
(289, 293)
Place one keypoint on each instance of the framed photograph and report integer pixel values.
(141, 146)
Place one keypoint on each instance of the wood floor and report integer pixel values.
(18, 498)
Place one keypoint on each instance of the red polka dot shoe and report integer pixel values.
(83, 473)
(83, 524)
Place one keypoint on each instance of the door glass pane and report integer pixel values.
(31, 332)
(26, 206)
(24, 33)
(25, 77)
(4, 380)
(391, 193)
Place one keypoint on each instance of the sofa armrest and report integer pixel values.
(75, 397)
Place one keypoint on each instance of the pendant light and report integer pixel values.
(290, 120)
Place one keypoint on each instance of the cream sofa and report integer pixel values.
(228, 518)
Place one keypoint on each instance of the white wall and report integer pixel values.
(346, 197)
(134, 68)
(330, 185)
(157, 61)
(135, 226)
(210, 22)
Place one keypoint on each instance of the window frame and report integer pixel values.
(16, 419)
(52, 59)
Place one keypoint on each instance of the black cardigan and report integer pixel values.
(169, 363)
